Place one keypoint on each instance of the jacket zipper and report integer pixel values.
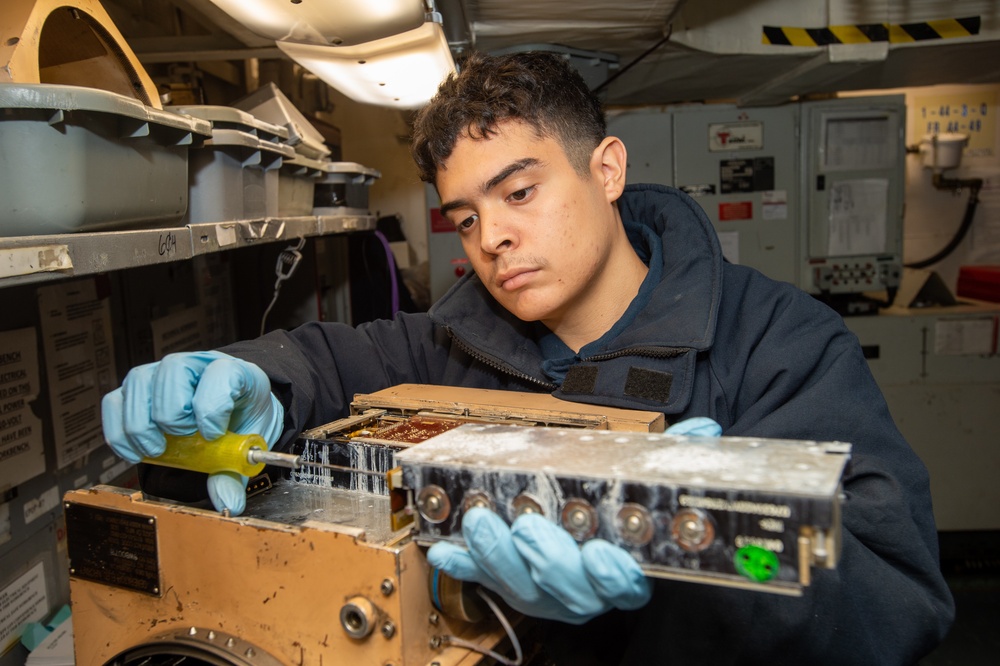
(498, 365)
(652, 352)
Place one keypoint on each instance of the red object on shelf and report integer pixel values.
(979, 282)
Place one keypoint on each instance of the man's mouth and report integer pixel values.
(515, 278)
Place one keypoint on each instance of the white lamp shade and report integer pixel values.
(338, 22)
(401, 71)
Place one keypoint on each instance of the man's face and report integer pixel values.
(536, 231)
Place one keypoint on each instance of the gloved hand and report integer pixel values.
(699, 426)
(206, 391)
(540, 570)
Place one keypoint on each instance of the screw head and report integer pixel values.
(388, 629)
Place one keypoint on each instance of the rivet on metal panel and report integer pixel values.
(434, 618)
(388, 629)
(387, 587)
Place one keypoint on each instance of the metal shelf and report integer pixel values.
(32, 259)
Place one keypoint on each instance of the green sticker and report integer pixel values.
(756, 563)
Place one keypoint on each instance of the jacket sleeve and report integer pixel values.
(787, 367)
(317, 368)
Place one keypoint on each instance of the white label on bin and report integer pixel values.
(225, 234)
(38, 259)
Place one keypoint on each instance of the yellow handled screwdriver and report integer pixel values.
(233, 452)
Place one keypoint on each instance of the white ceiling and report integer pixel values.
(715, 48)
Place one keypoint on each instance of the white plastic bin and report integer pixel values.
(344, 185)
(81, 159)
(234, 174)
(297, 185)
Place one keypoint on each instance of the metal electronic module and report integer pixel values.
(741, 512)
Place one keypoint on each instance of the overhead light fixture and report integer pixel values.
(402, 71)
(335, 22)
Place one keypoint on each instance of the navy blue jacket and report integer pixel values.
(763, 359)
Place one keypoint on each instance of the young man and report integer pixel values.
(601, 293)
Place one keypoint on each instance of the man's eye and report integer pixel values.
(521, 195)
(467, 222)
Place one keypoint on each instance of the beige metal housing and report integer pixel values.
(70, 42)
(249, 587)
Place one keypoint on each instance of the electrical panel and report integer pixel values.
(809, 193)
(740, 165)
(852, 153)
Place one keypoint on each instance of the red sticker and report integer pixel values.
(735, 210)
(439, 222)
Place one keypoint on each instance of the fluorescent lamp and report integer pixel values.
(337, 22)
(402, 71)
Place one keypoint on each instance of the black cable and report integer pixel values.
(607, 81)
(974, 186)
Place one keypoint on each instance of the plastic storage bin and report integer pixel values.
(297, 185)
(271, 105)
(234, 174)
(343, 185)
(80, 159)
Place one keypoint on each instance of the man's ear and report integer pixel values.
(610, 158)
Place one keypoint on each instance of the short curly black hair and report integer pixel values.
(538, 88)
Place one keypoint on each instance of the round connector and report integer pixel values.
(693, 530)
(635, 525)
(579, 518)
(525, 503)
(357, 617)
(477, 499)
(433, 504)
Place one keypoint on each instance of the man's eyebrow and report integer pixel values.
(508, 171)
(502, 175)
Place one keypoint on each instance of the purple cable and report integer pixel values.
(391, 259)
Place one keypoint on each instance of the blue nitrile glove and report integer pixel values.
(699, 426)
(540, 570)
(206, 391)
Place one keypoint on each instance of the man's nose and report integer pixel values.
(497, 234)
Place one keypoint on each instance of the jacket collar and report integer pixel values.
(681, 314)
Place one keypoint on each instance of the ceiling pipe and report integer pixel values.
(456, 24)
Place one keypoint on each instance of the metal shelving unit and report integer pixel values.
(35, 259)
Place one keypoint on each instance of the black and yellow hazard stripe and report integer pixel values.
(872, 32)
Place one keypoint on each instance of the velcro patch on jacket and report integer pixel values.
(648, 384)
(580, 379)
